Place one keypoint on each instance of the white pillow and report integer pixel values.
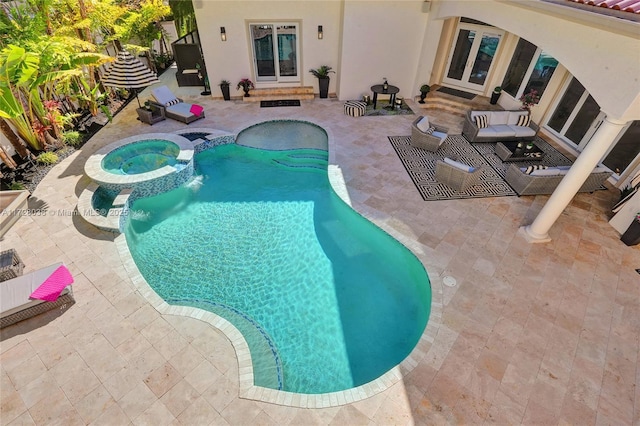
(423, 125)
(459, 165)
(551, 171)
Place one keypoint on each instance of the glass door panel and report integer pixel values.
(287, 51)
(566, 106)
(262, 37)
(484, 58)
(583, 120)
(625, 150)
(461, 53)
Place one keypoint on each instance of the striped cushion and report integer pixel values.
(481, 121)
(355, 108)
(523, 120)
(430, 131)
(173, 102)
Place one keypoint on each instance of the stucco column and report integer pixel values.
(538, 231)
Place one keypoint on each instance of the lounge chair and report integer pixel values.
(16, 302)
(456, 175)
(175, 107)
(428, 136)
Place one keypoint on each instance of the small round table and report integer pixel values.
(391, 90)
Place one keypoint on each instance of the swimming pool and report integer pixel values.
(326, 300)
(141, 157)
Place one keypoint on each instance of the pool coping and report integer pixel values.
(93, 166)
(247, 389)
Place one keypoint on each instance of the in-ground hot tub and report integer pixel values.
(141, 157)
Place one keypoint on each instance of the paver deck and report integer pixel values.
(531, 334)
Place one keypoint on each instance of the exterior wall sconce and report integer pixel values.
(320, 32)
(223, 34)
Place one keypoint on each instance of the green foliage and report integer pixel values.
(322, 72)
(72, 138)
(497, 89)
(47, 158)
(425, 88)
(225, 83)
(184, 16)
(16, 186)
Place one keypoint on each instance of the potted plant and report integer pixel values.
(529, 99)
(246, 85)
(224, 87)
(424, 89)
(631, 236)
(495, 95)
(322, 74)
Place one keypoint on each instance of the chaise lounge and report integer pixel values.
(17, 301)
(175, 107)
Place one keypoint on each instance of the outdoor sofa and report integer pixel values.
(546, 180)
(495, 126)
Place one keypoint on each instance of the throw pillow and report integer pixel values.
(530, 169)
(430, 131)
(423, 125)
(196, 109)
(481, 121)
(459, 165)
(523, 120)
(173, 102)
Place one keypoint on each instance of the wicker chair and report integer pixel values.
(429, 142)
(456, 178)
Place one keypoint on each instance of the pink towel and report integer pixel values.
(51, 288)
(196, 109)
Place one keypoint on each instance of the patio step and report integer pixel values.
(277, 93)
(454, 104)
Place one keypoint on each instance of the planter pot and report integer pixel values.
(225, 92)
(246, 93)
(494, 98)
(323, 84)
(422, 96)
(631, 236)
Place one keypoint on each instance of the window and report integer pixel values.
(531, 65)
(275, 51)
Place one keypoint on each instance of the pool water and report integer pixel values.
(141, 157)
(325, 299)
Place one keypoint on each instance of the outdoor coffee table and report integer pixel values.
(518, 151)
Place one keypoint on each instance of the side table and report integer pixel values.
(152, 115)
(379, 89)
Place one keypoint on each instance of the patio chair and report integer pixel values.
(457, 176)
(175, 107)
(34, 293)
(426, 135)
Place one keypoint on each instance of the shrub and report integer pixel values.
(72, 138)
(16, 186)
(47, 158)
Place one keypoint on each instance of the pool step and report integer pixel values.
(306, 158)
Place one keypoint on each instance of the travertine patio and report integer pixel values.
(532, 334)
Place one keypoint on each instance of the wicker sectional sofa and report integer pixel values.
(527, 184)
(500, 126)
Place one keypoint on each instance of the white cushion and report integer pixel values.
(163, 95)
(502, 130)
(487, 132)
(522, 131)
(550, 171)
(600, 169)
(423, 125)
(459, 165)
(514, 116)
(441, 136)
(182, 109)
(498, 117)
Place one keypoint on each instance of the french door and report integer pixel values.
(471, 56)
(275, 48)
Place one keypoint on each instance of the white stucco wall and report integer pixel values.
(231, 60)
(381, 39)
(605, 59)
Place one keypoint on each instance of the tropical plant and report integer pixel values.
(425, 88)
(72, 138)
(47, 158)
(225, 83)
(245, 84)
(16, 186)
(529, 99)
(322, 72)
(497, 89)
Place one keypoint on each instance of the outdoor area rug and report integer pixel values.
(552, 157)
(456, 92)
(280, 103)
(383, 108)
(421, 167)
